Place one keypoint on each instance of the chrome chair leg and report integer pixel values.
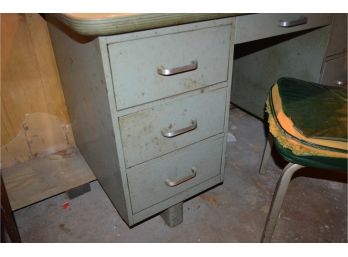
(277, 201)
(266, 155)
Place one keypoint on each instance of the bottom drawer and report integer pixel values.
(162, 178)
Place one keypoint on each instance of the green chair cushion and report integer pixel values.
(315, 161)
(314, 130)
(318, 111)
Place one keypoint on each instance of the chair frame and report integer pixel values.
(281, 189)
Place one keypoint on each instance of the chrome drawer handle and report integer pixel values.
(341, 83)
(182, 180)
(168, 72)
(175, 133)
(287, 24)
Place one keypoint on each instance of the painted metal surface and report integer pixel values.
(184, 195)
(338, 38)
(88, 98)
(134, 64)
(108, 137)
(173, 216)
(141, 132)
(259, 64)
(147, 182)
(335, 71)
(258, 26)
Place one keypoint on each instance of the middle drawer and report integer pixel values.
(156, 131)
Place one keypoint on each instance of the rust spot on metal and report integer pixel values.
(191, 84)
(148, 129)
(156, 141)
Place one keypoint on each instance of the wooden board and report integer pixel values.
(41, 178)
(40, 134)
(29, 77)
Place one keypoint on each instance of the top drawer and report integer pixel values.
(258, 26)
(195, 59)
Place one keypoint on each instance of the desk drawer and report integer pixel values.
(148, 134)
(258, 26)
(151, 183)
(335, 71)
(338, 40)
(140, 67)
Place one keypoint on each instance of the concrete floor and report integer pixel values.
(315, 208)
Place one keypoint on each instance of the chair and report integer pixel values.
(308, 127)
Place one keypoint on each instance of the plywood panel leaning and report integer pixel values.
(34, 119)
(29, 78)
(40, 134)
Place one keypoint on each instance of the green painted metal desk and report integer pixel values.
(149, 96)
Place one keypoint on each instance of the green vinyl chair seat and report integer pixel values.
(315, 161)
(308, 123)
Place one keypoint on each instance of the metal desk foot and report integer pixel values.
(173, 216)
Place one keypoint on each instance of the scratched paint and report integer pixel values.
(142, 132)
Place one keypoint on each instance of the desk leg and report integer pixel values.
(173, 216)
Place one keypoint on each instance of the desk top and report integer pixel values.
(102, 24)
